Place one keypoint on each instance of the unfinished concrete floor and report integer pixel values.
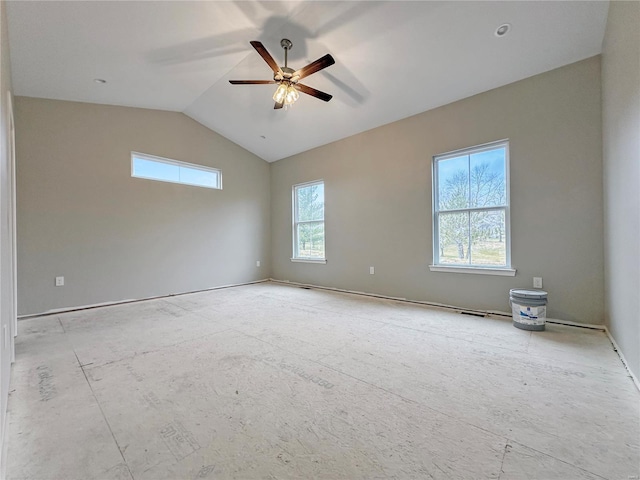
(272, 381)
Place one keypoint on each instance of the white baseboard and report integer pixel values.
(387, 297)
(492, 313)
(624, 360)
(132, 300)
(590, 326)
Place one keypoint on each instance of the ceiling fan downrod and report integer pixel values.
(286, 94)
(287, 45)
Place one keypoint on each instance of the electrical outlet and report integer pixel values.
(372, 270)
(258, 263)
(537, 282)
(59, 281)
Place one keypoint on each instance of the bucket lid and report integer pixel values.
(523, 293)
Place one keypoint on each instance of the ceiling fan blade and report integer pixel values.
(313, 92)
(313, 67)
(278, 105)
(266, 56)
(251, 82)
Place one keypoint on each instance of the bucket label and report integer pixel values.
(529, 315)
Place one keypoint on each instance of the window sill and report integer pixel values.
(309, 260)
(506, 272)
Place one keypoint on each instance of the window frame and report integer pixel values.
(178, 163)
(437, 266)
(294, 216)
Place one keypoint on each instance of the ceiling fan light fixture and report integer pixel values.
(292, 95)
(286, 94)
(280, 94)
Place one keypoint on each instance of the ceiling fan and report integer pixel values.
(288, 78)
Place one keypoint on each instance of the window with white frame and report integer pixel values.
(173, 171)
(308, 222)
(471, 210)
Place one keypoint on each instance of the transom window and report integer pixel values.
(308, 222)
(471, 207)
(173, 171)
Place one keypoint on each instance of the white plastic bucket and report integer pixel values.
(528, 308)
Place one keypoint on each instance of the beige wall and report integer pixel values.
(378, 198)
(621, 158)
(113, 237)
(7, 310)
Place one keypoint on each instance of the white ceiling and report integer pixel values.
(393, 59)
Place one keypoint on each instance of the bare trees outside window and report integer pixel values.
(308, 214)
(471, 207)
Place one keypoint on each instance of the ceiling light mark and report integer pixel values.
(502, 30)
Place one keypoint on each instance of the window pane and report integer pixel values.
(488, 186)
(155, 170)
(453, 183)
(310, 238)
(488, 242)
(474, 183)
(310, 202)
(166, 170)
(454, 238)
(195, 176)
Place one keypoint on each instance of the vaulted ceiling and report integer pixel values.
(393, 59)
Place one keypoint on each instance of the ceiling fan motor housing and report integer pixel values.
(287, 74)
